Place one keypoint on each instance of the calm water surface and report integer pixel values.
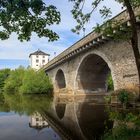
(27, 118)
(21, 118)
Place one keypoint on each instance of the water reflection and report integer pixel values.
(21, 118)
(37, 121)
(60, 109)
(41, 117)
(93, 119)
(82, 116)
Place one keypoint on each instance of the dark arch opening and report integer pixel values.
(92, 74)
(60, 110)
(60, 79)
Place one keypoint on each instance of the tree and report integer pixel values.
(14, 80)
(27, 81)
(4, 73)
(130, 6)
(26, 16)
(35, 83)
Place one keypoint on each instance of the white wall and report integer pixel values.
(40, 63)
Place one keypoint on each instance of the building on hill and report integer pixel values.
(38, 59)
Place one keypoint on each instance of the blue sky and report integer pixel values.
(14, 53)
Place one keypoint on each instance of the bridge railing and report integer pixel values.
(92, 39)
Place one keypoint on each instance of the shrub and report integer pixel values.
(123, 96)
(27, 81)
(4, 73)
(14, 81)
(36, 82)
(110, 82)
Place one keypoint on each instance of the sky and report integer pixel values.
(14, 53)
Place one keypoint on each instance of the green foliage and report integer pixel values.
(36, 82)
(115, 30)
(122, 132)
(83, 17)
(26, 16)
(110, 83)
(27, 81)
(108, 99)
(4, 73)
(123, 96)
(127, 125)
(14, 81)
(25, 104)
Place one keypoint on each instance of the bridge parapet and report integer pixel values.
(91, 40)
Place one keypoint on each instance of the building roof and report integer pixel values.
(39, 52)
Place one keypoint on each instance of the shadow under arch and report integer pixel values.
(92, 74)
(60, 79)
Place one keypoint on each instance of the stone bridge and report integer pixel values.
(84, 67)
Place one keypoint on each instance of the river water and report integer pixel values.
(26, 118)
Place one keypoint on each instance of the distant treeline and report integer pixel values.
(4, 73)
(24, 81)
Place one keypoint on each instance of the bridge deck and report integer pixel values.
(92, 39)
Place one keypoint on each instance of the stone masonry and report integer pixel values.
(90, 60)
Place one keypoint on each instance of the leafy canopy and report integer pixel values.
(27, 81)
(82, 17)
(4, 73)
(26, 16)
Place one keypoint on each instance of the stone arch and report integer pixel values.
(92, 72)
(60, 79)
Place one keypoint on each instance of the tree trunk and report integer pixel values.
(134, 37)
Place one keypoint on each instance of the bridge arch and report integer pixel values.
(92, 73)
(60, 79)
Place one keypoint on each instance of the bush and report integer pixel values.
(110, 83)
(27, 81)
(14, 81)
(4, 73)
(36, 82)
(123, 96)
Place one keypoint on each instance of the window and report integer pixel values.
(43, 61)
(36, 56)
(36, 65)
(37, 60)
(37, 119)
(43, 56)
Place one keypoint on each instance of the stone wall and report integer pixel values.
(117, 54)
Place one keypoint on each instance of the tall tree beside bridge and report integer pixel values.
(130, 5)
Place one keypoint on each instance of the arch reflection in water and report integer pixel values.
(82, 119)
(60, 109)
(92, 120)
